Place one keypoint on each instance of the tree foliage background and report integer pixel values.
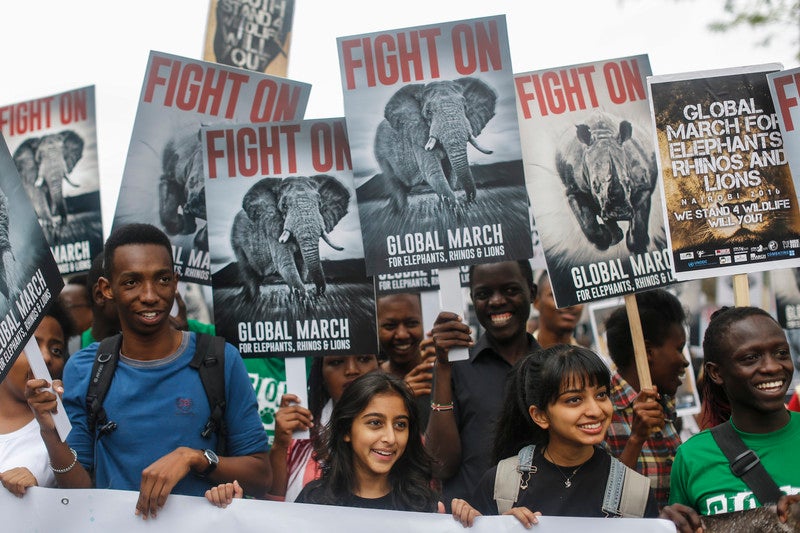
(771, 19)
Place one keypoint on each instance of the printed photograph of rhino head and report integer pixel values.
(609, 178)
(181, 188)
(424, 138)
(278, 232)
(44, 164)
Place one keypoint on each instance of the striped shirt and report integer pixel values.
(658, 452)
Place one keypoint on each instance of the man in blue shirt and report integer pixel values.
(156, 400)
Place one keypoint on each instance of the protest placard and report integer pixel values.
(250, 35)
(29, 277)
(163, 180)
(54, 145)
(436, 155)
(591, 175)
(286, 257)
(730, 205)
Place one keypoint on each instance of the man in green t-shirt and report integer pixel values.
(749, 368)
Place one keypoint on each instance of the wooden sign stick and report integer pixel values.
(741, 290)
(639, 350)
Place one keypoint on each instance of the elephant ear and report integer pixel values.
(334, 199)
(404, 105)
(260, 204)
(73, 148)
(25, 160)
(481, 100)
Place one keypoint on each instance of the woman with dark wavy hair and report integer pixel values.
(372, 452)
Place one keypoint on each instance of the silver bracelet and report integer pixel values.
(70, 467)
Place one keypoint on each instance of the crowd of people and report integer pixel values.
(529, 425)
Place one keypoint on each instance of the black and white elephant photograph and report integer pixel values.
(181, 188)
(8, 285)
(446, 156)
(423, 139)
(46, 164)
(291, 256)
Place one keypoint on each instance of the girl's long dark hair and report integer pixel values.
(716, 407)
(410, 476)
(537, 379)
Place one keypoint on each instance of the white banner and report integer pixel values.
(88, 510)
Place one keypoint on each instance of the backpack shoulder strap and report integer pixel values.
(509, 477)
(105, 363)
(745, 464)
(626, 492)
(209, 361)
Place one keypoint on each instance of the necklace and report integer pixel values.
(567, 478)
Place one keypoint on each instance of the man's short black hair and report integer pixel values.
(525, 268)
(659, 310)
(134, 233)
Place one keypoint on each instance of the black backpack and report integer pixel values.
(209, 361)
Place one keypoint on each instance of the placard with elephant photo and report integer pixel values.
(163, 181)
(436, 154)
(29, 276)
(590, 169)
(53, 141)
(731, 206)
(287, 262)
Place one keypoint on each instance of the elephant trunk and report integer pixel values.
(304, 223)
(52, 171)
(460, 165)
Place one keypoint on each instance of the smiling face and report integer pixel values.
(559, 321)
(143, 287)
(577, 419)
(378, 437)
(667, 363)
(339, 371)
(502, 299)
(757, 371)
(400, 328)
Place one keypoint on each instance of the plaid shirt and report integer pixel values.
(658, 452)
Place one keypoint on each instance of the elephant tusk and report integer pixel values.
(284, 236)
(328, 240)
(431, 143)
(474, 142)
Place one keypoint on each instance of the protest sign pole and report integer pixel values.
(639, 350)
(451, 299)
(741, 290)
(297, 384)
(40, 371)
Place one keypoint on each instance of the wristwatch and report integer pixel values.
(213, 460)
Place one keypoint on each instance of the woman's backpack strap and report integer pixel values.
(509, 477)
(627, 491)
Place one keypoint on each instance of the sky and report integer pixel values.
(52, 46)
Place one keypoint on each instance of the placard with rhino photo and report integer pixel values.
(287, 262)
(436, 155)
(590, 169)
(29, 277)
(731, 206)
(53, 141)
(163, 181)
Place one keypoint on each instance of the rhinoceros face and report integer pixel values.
(605, 169)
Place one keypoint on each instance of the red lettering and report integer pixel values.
(384, 46)
(72, 107)
(154, 79)
(321, 147)
(786, 102)
(213, 152)
(247, 143)
(350, 63)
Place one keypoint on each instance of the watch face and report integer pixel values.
(211, 456)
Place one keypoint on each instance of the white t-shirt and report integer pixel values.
(24, 447)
